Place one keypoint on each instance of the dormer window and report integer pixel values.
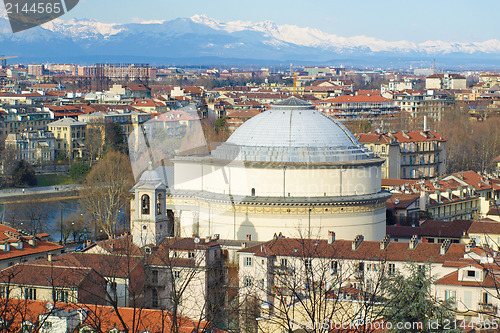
(471, 273)
(145, 204)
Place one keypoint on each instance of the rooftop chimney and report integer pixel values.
(357, 242)
(249, 238)
(385, 242)
(49, 257)
(470, 245)
(413, 242)
(331, 237)
(444, 247)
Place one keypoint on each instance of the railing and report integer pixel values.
(488, 308)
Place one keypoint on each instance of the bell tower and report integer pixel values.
(149, 220)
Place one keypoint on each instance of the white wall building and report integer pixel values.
(290, 169)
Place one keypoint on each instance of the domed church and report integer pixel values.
(289, 170)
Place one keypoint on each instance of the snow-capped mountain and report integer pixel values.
(202, 36)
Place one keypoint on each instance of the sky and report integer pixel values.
(416, 21)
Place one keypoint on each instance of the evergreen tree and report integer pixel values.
(410, 302)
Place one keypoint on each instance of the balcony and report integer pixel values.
(487, 308)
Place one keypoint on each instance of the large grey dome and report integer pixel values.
(292, 131)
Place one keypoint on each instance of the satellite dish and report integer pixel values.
(196, 240)
(396, 201)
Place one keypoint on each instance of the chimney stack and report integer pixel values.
(357, 242)
(413, 242)
(444, 247)
(385, 242)
(49, 257)
(331, 237)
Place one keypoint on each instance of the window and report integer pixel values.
(145, 204)
(334, 267)
(154, 298)
(112, 287)
(486, 298)
(392, 269)
(190, 254)
(284, 262)
(471, 273)
(308, 263)
(248, 281)
(248, 261)
(361, 266)
(60, 296)
(30, 293)
(253, 192)
(154, 276)
(177, 275)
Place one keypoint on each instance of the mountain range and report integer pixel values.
(201, 39)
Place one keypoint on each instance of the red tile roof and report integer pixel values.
(104, 318)
(373, 138)
(445, 229)
(401, 200)
(452, 279)
(40, 275)
(176, 115)
(367, 250)
(396, 182)
(418, 136)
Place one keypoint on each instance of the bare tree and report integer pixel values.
(105, 190)
(311, 288)
(31, 216)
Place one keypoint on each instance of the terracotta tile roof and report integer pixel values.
(373, 138)
(401, 231)
(106, 318)
(41, 247)
(147, 103)
(401, 200)
(484, 227)
(369, 92)
(445, 229)
(47, 276)
(497, 159)
(10, 235)
(243, 113)
(367, 250)
(176, 115)
(441, 76)
(397, 182)
(473, 179)
(494, 211)
(452, 279)
(418, 136)
(120, 246)
(106, 265)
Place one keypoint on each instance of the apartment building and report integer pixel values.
(35, 147)
(276, 271)
(408, 155)
(358, 106)
(69, 134)
(446, 81)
